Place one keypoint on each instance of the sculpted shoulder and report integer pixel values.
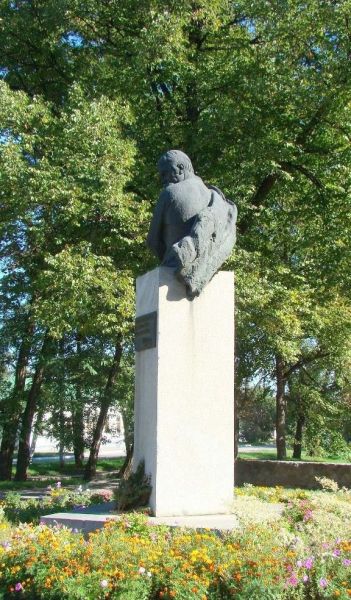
(184, 200)
(188, 190)
(187, 186)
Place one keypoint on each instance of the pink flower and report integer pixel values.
(104, 583)
(305, 578)
(308, 515)
(293, 580)
(6, 545)
(323, 582)
(18, 587)
(58, 484)
(346, 562)
(309, 563)
(336, 552)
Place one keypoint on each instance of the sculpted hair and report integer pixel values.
(178, 157)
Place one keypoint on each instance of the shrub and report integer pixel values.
(327, 484)
(272, 494)
(103, 495)
(135, 490)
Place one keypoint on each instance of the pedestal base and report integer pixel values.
(184, 397)
(87, 522)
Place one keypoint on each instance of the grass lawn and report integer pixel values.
(45, 473)
(34, 484)
(52, 468)
(272, 455)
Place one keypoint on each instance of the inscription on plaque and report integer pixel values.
(145, 331)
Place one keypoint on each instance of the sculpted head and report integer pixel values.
(174, 166)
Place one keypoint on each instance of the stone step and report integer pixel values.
(87, 522)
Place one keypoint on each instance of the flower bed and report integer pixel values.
(300, 556)
(18, 511)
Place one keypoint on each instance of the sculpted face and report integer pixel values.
(171, 172)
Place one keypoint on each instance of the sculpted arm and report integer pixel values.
(154, 239)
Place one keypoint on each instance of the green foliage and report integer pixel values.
(76, 219)
(272, 494)
(319, 395)
(135, 490)
(256, 407)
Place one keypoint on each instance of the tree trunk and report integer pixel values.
(33, 444)
(236, 424)
(23, 457)
(10, 428)
(61, 438)
(280, 408)
(126, 468)
(90, 469)
(7, 448)
(78, 436)
(298, 436)
(78, 418)
(37, 428)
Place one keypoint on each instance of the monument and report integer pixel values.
(193, 227)
(184, 393)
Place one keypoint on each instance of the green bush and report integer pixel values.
(134, 491)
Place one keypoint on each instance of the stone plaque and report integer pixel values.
(145, 331)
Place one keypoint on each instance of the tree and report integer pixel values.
(61, 240)
(257, 94)
(257, 413)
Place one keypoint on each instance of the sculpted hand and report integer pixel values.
(185, 251)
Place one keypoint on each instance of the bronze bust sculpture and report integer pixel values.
(193, 226)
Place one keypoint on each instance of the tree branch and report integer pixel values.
(290, 167)
(306, 361)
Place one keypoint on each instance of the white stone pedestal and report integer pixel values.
(184, 396)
